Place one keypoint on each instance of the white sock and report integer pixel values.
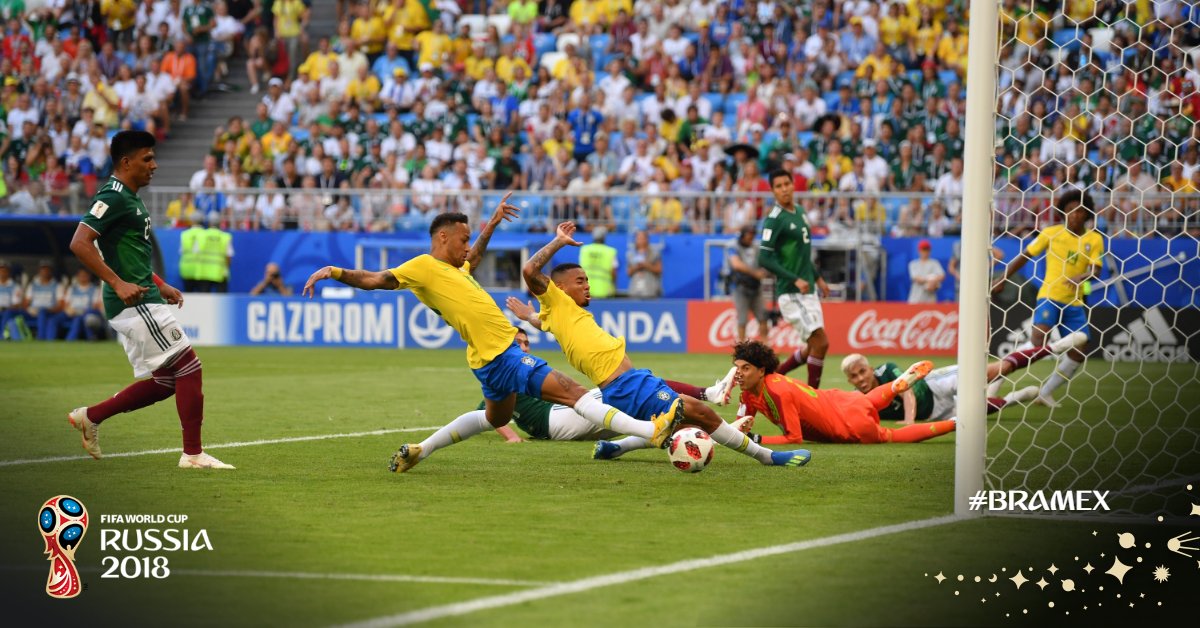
(459, 429)
(1064, 370)
(628, 444)
(798, 354)
(993, 387)
(739, 442)
(610, 418)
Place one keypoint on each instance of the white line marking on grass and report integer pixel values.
(301, 575)
(625, 577)
(248, 443)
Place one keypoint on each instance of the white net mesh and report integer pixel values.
(1100, 96)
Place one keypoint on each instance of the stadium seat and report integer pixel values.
(714, 99)
(502, 22)
(600, 76)
(947, 77)
(299, 134)
(731, 104)
(544, 42)
(622, 207)
(381, 118)
(845, 78)
(549, 59)
(407, 118)
(599, 44)
(478, 23)
(567, 39)
(1067, 38)
(606, 59)
(915, 77)
(804, 137)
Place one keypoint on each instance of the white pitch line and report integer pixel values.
(248, 443)
(625, 577)
(302, 575)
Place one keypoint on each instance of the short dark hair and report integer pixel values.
(757, 354)
(446, 219)
(125, 143)
(562, 268)
(778, 172)
(520, 330)
(1079, 196)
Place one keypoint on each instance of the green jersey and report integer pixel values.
(786, 249)
(121, 219)
(895, 411)
(532, 415)
(196, 17)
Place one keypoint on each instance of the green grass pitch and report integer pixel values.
(298, 523)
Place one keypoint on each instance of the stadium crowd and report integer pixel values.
(671, 108)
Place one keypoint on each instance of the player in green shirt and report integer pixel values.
(935, 396)
(113, 242)
(785, 249)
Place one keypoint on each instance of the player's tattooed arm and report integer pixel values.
(504, 211)
(532, 271)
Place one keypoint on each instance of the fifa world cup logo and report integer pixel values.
(62, 521)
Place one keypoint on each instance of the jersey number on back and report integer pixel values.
(146, 233)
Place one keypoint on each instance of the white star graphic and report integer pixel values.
(1019, 579)
(1042, 583)
(1088, 568)
(1118, 570)
(939, 577)
(1052, 569)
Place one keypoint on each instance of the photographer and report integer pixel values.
(272, 283)
(746, 277)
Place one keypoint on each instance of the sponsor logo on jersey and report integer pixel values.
(98, 209)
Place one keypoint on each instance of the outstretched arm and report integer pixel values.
(504, 211)
(361, 279)
(1012, 269)
(523, 311)
(532, 271)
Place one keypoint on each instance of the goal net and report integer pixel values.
(1099, 96)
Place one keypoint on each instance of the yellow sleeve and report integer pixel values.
(411, 273)
(552, 300)
(1039, 244)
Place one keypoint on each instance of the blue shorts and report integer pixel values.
(1067, 318)
(513, 371)
(639, 393)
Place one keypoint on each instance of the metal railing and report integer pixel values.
(838, 215)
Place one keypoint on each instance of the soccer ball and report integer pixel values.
(690, 449)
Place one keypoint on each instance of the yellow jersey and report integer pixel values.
(1067, 255)
(455, 296)
(590, 349)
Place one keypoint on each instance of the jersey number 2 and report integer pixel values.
(146, 233)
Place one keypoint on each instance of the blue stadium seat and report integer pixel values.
(947, 77)
(622, 207)
(600, 76)
(381, 118)
(408, 118)
(714, 99)
(599, 44)
(472, 120)
(299, 134)
(604, 60)
(915, 77)
(732, 101)
(544, 42)
(845, 78)
(1067, 39)
(893, 206)
(614, 138)
(804, 137)
(770, 137)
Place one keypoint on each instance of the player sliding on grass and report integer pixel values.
(1073, 257)
(602, 358)
(442, 281)
(543, 420)
(113, 241)
(934, 397)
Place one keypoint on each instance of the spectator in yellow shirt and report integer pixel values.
(461, 46)
(277, 140)
(404, 20)
(558, 139)
(316, 66)
(952, 47)
(478, 64)
(508, 62)
(433, 45)
(897, 27)
(120, 16)
(369, 31)
(880, 61)
(363, 89)
(586, 13)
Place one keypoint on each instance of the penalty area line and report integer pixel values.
(248, 443)
(625, 577)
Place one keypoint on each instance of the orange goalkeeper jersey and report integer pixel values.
(824, 416)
